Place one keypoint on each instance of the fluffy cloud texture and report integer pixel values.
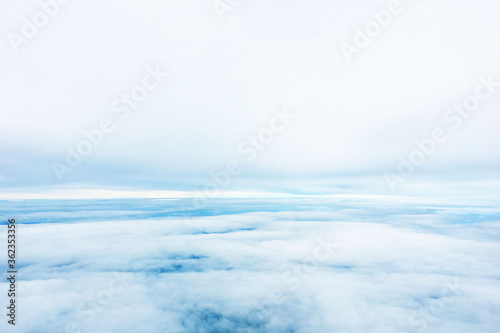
(307, 264)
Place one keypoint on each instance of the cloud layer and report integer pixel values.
(248, 265)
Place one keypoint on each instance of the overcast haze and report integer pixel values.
(225, 77)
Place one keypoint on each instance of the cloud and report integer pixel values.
(413, 265)
(225, 79)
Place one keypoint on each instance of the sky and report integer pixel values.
(208, 77)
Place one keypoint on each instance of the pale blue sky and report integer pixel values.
(225, 78)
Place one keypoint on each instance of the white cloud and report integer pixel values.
(398, 267)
